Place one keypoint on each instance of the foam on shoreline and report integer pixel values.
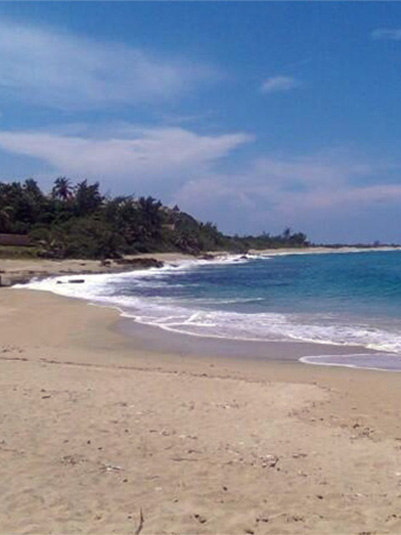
(183, 319)
(370, 361)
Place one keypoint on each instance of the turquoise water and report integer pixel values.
(343, 299)
(365, 284)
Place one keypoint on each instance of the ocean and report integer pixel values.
(348, 299)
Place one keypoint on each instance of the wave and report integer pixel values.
(166, 314)
(272, 327)
(377, 361)
(193, 318)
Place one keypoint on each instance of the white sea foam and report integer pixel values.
(177, 316)
(168, 315)
(376, 361)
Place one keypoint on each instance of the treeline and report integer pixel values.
(78, 221)
(267, 241)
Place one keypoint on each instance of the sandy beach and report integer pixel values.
(13, 271)
(200, 267)
(95, 429)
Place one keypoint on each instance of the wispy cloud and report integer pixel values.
(63, 70)
(141, 159)
(330, 196)
(276, 84)
(390, 34)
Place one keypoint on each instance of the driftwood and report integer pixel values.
(141, 521)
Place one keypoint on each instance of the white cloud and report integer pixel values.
(140, 158)
(331, 196)
(69, 72)
(276, 84)
(391, 34)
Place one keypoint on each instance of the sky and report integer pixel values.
(253, 115)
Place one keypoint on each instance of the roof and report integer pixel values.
(15, 239)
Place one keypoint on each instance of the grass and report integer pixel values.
(15, 251)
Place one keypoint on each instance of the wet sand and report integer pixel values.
(166, 341)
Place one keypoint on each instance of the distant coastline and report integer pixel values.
(327, 249)
(19, 271)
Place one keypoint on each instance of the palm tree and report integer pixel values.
(151, 218)
(87, 198)
(62, 189)
(5, 218)
(30, 186)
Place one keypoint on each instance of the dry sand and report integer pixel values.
(14, 270)
(93, 430)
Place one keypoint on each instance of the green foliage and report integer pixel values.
(266, 241)
(17, 252)
(78, 221)
(87, 199)
(62, 189)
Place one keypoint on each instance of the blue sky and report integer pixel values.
(254, 115)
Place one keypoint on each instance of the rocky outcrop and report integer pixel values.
(140, 263)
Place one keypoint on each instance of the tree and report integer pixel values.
(62, 189)
(31, 188)
(5, 218)
(80, 222)
(299, 239)
(87, 198)
(150, 217)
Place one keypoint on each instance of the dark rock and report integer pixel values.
(140, 263)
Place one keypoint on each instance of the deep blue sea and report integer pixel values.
(337, 298)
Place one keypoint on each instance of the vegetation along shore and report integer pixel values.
(80, 222)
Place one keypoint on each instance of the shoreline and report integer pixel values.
(95, 429)
(155, 338)
(326, 250)
(20, 271)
